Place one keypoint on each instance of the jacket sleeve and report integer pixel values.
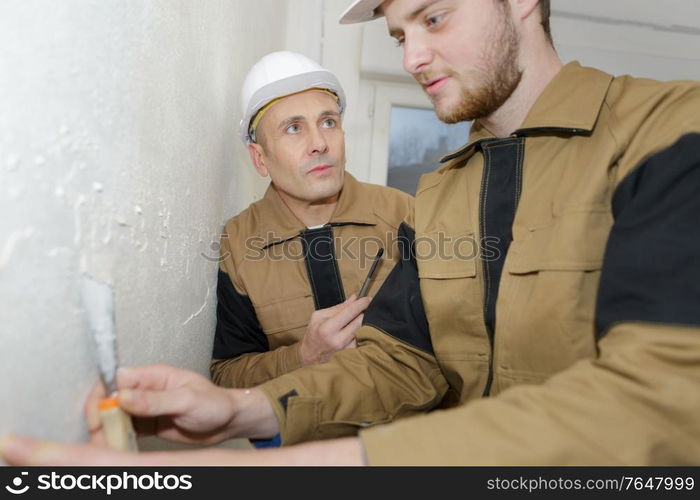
(391, 374)
(242, 357)
(637, 402)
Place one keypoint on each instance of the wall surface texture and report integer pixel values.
(119, 157)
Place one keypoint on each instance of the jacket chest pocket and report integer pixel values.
(548, 293)
(282, 316)
(444, 257)
(451, 295)
(573, 242)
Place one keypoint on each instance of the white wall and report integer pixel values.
(118, 149)
(639, 37)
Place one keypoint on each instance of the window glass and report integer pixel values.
(417, 140)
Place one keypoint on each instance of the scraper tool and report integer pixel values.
(98, 300)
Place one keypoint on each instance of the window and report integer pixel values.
(417, 141)
(404, 138)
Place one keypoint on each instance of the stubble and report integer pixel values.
(484, 92)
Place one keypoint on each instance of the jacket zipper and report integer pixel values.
(498, 169)
(485, 272)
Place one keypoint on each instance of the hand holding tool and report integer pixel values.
(372, 270)
(98, 300)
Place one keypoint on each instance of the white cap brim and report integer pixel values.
(361, 11)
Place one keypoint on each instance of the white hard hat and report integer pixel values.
(280, 74)
(361, 11)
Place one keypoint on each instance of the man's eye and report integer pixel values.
(399, 42)
(328, 123)
(434, 20)
(293, 129)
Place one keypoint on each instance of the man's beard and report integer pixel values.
(495, 86)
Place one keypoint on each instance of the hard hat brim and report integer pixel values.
(361, 11)
(288, 86)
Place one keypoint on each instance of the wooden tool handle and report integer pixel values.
(117, 426)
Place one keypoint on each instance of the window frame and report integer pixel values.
(379, 97)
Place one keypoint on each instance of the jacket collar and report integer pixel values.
(278, 223)
(570, 104)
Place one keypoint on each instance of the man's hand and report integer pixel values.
(183, 406)
(331, 330)
(24, 451)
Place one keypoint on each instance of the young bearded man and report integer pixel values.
(292, 263)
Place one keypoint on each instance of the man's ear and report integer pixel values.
(257, 156)
(522, 9)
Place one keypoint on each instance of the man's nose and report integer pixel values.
(317, 142)
(416, 54)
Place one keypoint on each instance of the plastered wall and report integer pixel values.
(118, 157)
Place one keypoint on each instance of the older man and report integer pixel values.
(292, 262)
(581, 325)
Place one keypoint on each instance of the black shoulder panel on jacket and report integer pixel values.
(237, 328)
(651, 270)
(397, 309)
